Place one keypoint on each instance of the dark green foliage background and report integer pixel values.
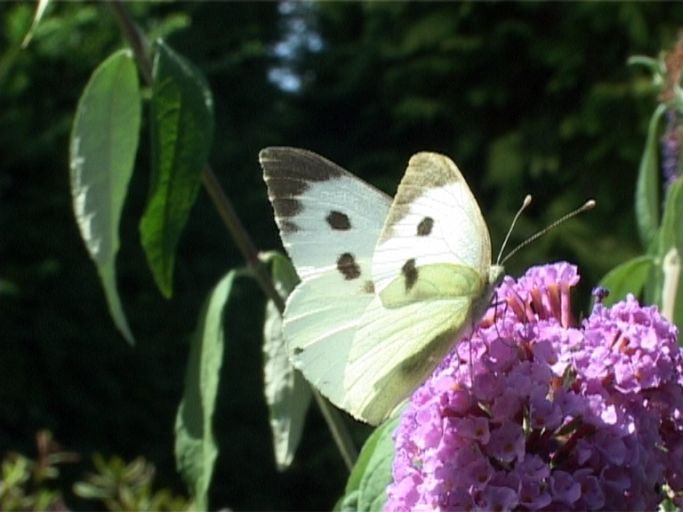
(527, 98)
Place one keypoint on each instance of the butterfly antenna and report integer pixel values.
(586, 206)
(525, 203)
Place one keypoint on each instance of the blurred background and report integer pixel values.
(526, 97)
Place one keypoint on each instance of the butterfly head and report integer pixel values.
(496, 274)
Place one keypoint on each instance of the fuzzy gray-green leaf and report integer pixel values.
(288, 395)
(195, 446)
(104, 140)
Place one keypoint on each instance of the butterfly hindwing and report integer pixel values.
(319, 325)
(395, 349)
(435, 243)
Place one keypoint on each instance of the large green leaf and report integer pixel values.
(647, 186)
(104, 140)
(195, 446)
(367, 484)
(182, 130)
(288, 395)
(629, 277)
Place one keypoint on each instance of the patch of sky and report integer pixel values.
(299, 36)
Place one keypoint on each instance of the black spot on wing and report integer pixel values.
(369, 287)
(410, 273)
(298, 351)
(346, 264)
(338, 220)
(425, 226)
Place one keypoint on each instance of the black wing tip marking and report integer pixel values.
(281, 187)
(286, 206)
(287, 227)
(286, 162)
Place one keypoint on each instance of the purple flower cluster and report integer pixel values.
(538, 413)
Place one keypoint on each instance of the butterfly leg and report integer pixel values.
(495, 303)
(469, 343)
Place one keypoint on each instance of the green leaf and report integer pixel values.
(195, 446)
(347, 503)
(366, 486)
(654, 66)
(90, 491)
(182, 130)
(670, 252)
(40, 11)
(288, 395)
(104, 140)
(629, 277)
(647, 186)
(672, 227)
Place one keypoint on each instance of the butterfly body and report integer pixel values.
(387, 286)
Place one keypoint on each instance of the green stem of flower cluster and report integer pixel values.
(140, 48)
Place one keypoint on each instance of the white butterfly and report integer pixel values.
(387, 287)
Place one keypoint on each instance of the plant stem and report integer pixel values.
(338, 429)
(135, 39)
(240, 236)
(225, 209)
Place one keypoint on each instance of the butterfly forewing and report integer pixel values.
(328, 218)
(329, 223)
(435, 243)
